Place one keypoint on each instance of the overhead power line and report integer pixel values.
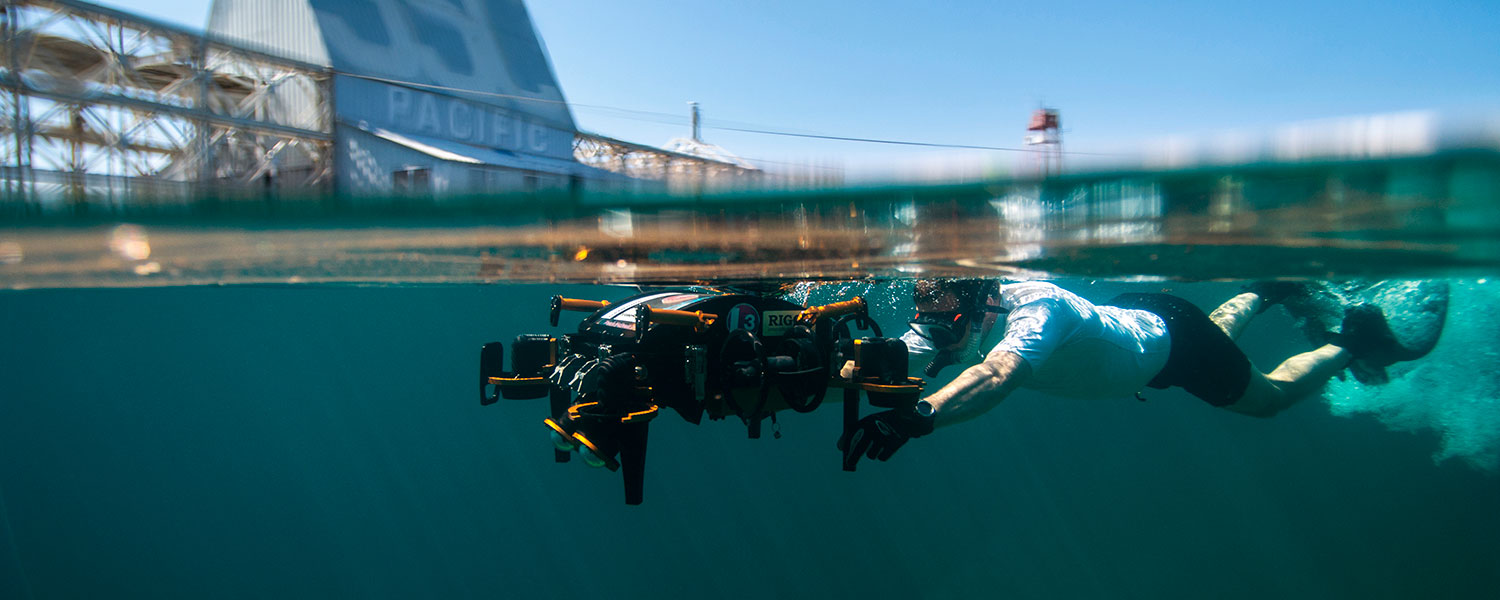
(893, 142)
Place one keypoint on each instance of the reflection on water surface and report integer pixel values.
(1435, 214)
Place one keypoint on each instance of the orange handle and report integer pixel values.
(696, 319)
(581, 305)
(837, 309)
(560, 304)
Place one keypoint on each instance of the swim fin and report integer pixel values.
(1367, 336)
(1273, 292)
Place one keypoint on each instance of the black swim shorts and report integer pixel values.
(1203, 360)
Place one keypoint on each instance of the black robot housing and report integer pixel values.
(695, 351)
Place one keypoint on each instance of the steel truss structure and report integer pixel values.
(678, 170)
(101, 107)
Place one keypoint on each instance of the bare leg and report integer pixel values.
(1294, 379)
(1233, 315)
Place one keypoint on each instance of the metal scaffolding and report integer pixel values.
(680, 171)
(102, 107)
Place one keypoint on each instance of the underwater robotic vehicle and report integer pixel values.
(697, 351)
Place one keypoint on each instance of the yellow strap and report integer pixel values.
(912, 384)
(517, 380)
(642, 415)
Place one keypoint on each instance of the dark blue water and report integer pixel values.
(251, 442)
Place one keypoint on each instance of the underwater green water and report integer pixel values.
(324, 441)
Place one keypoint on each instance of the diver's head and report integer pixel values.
(959, 295)
(950, 311)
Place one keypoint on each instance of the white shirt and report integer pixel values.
(1077, 349)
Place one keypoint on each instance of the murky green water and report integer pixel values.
(317, 441)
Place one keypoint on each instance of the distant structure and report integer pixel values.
(429, 98)
(99, 107)
(1044, 137)
(687, 165)
(695, 146)
(456, 97)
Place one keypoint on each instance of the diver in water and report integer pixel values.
(1054, 341)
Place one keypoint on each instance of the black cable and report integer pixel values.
(898, 142)
(678, 120)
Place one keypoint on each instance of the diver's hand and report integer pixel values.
(880, 435)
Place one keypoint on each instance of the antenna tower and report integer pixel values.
(697, 136)
(1044, 137)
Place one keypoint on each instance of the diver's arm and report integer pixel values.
(979, 388)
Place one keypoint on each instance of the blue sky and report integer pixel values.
(970, 72)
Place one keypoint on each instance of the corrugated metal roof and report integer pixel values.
(282, 27)
(488, 48)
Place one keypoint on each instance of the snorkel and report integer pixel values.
(941, 330)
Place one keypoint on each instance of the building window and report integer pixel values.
(412, 181)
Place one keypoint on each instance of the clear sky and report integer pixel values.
(971, 71)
